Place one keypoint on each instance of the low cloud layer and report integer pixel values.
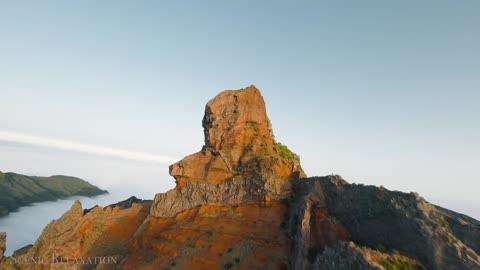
(83, 148)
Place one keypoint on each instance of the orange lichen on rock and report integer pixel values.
(325, 231)
(76, 235)
(193, 168)
(212, 236)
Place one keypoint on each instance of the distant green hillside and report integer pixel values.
(18, 190)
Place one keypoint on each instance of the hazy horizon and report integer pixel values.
(124, 178)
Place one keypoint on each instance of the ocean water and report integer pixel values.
(24, 226)
(122, 178)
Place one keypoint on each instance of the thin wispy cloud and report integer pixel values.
(83, 148)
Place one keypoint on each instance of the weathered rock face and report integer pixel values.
(240, 160)
(312, 227)
(345, 256)
(3, 243)
(348, 256)
(238, 140)
(6, 263)
(214, 237)
(406, 222)
(234, 120)
(463, 227)
(21, 251)
(81, 236)
(233, 191)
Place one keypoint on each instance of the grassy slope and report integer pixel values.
(18, 190)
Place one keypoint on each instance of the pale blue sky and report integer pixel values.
(379, 92)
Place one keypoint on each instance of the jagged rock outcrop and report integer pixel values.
(348, 256)
(345, 256)
(6, 263)
(233, 191)
(240, 160)
(128, 203)
(238, 140)
(465, 228)
(312, 227)
(21, 251)
(84, 239)
(3, 243)
(403, 221)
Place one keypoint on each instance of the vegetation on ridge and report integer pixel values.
(399, 264)
(18, 190)
(284, 151)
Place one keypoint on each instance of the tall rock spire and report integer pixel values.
(240, 163)
(238, 141)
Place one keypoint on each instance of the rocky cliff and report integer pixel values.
(243, 202)
(85, 238)
(240, 162)
(391, 222)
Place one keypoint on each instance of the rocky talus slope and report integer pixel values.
(244, 202)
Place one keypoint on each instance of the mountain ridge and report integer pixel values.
(17, 190)
(244, 202)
